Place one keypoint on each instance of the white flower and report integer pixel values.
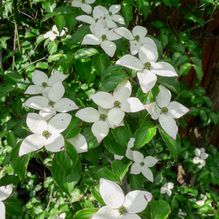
(142, 165)
(102, 36)
(99, 118)
(200, 157)
(79, 142)
(84, 5)
(147, 67)
(137, 38)
(201, 202)
(48, 106)
(167, 188)
(166, 111)
(128, 153)
(118, 103)
(119, 206)
(5, 192)
(45, 133)
(43, 84)
(54, 33)
(181, 214)
(61, 216)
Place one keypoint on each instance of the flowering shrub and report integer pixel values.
(98, 125)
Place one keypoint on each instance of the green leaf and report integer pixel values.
(52, 47)
(106, 173)
(85, 213)
(101, 63)
(60, 22)
(127, 11)
(160, 209)
(120, 169)
(73, 129)
(85, 53)
(42, 65)
(113, 147)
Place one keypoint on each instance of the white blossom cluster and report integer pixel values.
(200, 157)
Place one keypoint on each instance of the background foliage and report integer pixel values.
(45, 184)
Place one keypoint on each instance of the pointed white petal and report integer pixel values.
(103, 99)
(99, 12)
(36, 123)
(79, 142)
(137, 156)
(100, 130)
(91, 39)
(39, 77)
(145, 41)
(131, 143)
(31, 143)
(123, 91)
(146, 80)
(111, 193)
(118, 157)
(132, 105)
(139, 31)
(177, 110)
(131, 62)
(130, 216)
(115, 9)
(90, 1)
(2, 210)
(86, 8)
(134, 47)
(56, 92)
(112, 35)
(124, 32)
(5, 192)
(135, 169)
(153, 110)
(47, 114)
(86, 19)
(56, 77)
(36, 102)
(164, 69)
(129, 154)
(170, 185)
(115, 117)
(164, 97)
(59, 122)
(106, 213)
(109, 47)
(76, 3)
(55, 143)
(88, 114)
(136, 201)
(110, 24)
(65, 105)
(150, 161)
(147, 173)
(119, 19)
(169, 125)
(148, 54)
(33, 89)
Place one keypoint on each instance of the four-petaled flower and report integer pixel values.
(166, 111)
(137, 38)
(54, 33)
(167, 188)
(147, 67)
(84, 5)
(200, 157)
(45, 133)
(142, 165)
(119, 206)
(5, 192)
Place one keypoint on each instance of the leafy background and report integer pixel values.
(49, 184)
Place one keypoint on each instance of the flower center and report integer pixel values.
(83, 1)
(142, 164)
(44, 85)
(137, 37)
(122, 210)
(51, 103)
(164, 110)
(147, 65)
(117, 104)
(103, 117)
(46, 134)
(104, 37)
(110, 13)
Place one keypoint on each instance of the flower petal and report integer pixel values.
(163, 69)
(91, 39)
(119, 19)
(136, 201)
(65, 105)
(86, 19)
(86, 8)
(55, 143)
(111, 193)
(46, 113)
(115, 9)
(76, 3)
(164, 97)
(153, 110)
(103, 99)
(39, 77)
(112, 35)
(100, 129)
(148, 174)
(124, 32)
(56, 77)
(177, 110)
(148, 41)
(123, 91)
(148, 54)
(2, 210)
(99, 12)
(131, 62)
(31, 143)
(135, 169)
(88, 114)
(137, 156)
(115, 117)
(129, 216)
(106, 213)
(59, 122)
(90, 1)
(150, 161)
(109, 47)
(56, 92)
(36, 123)
(169, 125)
(147, 80)
(139, 31)
(134, 47)
(79, 142)
(33, 89)
(36, 102)
(5, 192)
(132, 105)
